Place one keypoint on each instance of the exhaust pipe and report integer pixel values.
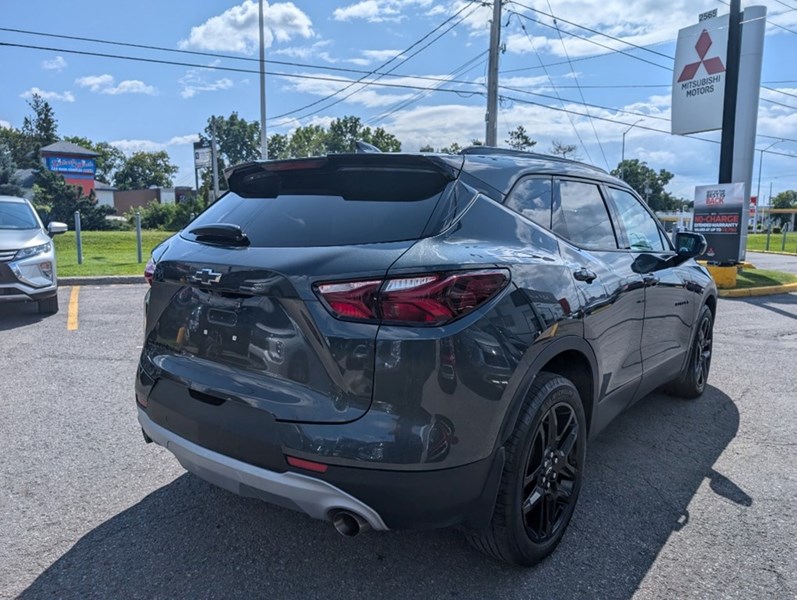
(349, 524)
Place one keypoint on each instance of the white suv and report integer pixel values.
(27, 255)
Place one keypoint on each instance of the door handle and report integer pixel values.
(584, 274)
(650, 279)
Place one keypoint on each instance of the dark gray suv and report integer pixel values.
(394, 341)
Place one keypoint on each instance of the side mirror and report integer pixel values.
(689, 245)
(54, 228)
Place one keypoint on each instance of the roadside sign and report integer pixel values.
(698, 82)
(202, 155)
(718, 216)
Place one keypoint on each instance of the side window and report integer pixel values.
(642, 230)
(581, 216)
(531, 197)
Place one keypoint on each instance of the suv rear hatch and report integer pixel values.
(233, 314)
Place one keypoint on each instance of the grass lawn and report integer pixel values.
(105, 252)
(758, 241)
(761, 277)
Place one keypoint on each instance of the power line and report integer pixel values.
(385, 64)
(580, 91)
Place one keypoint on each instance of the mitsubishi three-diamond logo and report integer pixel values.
(713, 65)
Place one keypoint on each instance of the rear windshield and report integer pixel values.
(17, 215)
(291, 220)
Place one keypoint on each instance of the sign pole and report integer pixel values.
(731, 92)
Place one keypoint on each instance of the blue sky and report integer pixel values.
(144, 105)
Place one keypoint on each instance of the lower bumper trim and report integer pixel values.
(318, 499)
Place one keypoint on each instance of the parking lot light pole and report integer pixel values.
(758, 192)
(622, 154)
(263, 136)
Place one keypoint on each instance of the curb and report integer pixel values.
(778, 252)
(768, 290)
(101, 280)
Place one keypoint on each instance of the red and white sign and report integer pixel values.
(698, 81)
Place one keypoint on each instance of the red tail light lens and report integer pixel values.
(422, 299)
(149, 271)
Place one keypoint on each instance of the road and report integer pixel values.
(776, 262)
(681, 499)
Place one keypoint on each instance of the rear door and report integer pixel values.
(612, 293)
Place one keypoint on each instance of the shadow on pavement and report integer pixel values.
(189, 539)
(19, 314)
(767, 302)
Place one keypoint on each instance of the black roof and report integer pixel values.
(68, 148)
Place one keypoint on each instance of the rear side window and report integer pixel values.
(642, 231)
(293, 220)
(531, 197)
(581, 216)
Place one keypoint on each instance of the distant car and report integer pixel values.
(27, 255)
(409, 341)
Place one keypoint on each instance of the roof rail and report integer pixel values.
(488, 150)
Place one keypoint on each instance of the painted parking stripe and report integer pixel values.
(71, 320)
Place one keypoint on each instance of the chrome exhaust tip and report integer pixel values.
(349, 524)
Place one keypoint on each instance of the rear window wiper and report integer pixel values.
(221, 233)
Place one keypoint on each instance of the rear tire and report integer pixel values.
(542, 475)
(48, 306)
(691, 383)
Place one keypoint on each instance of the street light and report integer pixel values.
(758, 193)
(622, 158)
(263, 136)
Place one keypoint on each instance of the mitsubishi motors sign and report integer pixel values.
(698, 85)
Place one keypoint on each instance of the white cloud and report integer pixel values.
(4, 124)
(377, 11)
(180, 140)
(129, 146)
(56, 64)
(194, 82)
(105, 84)
(66, 96)
(308, 52)
(236, 29)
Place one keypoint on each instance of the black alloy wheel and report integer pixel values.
(551, 473)
(692, 381)
(542, 475)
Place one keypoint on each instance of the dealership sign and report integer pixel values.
(202, 158)
(718, 216)
(698, 84)
(68, 164)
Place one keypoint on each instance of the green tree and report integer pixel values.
(144, 170)
(109, 158)
(278, 146)
(38, 130)
(237, 140)
(454, 148)
(648, 183)
(7, 168)
(56, 200)
(564, 150)
(426, 148)
(787, 199)
(386, 142)
(310, 140)
(519, 139)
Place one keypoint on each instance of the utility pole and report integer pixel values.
(491, 134)
(731, 92)
(263, 137)
(214, 158)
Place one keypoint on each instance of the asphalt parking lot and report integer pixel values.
(681, 499)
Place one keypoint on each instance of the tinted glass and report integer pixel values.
(531, 197)
(640, 227)
(293, 220)
(582, 217)
(17, 215)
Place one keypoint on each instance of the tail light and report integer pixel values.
(149, 270)
(415, 300)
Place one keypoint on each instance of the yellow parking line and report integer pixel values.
(71, 320)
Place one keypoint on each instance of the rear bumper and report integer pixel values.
(319, 499)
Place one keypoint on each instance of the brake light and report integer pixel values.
(149, 270)
(415, 300)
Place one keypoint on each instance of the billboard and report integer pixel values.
(202, 157)
(698, 80)
(71, 164)
(718, 216)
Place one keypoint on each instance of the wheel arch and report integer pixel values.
(571, 357)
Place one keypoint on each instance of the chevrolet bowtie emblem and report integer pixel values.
(206, 276)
